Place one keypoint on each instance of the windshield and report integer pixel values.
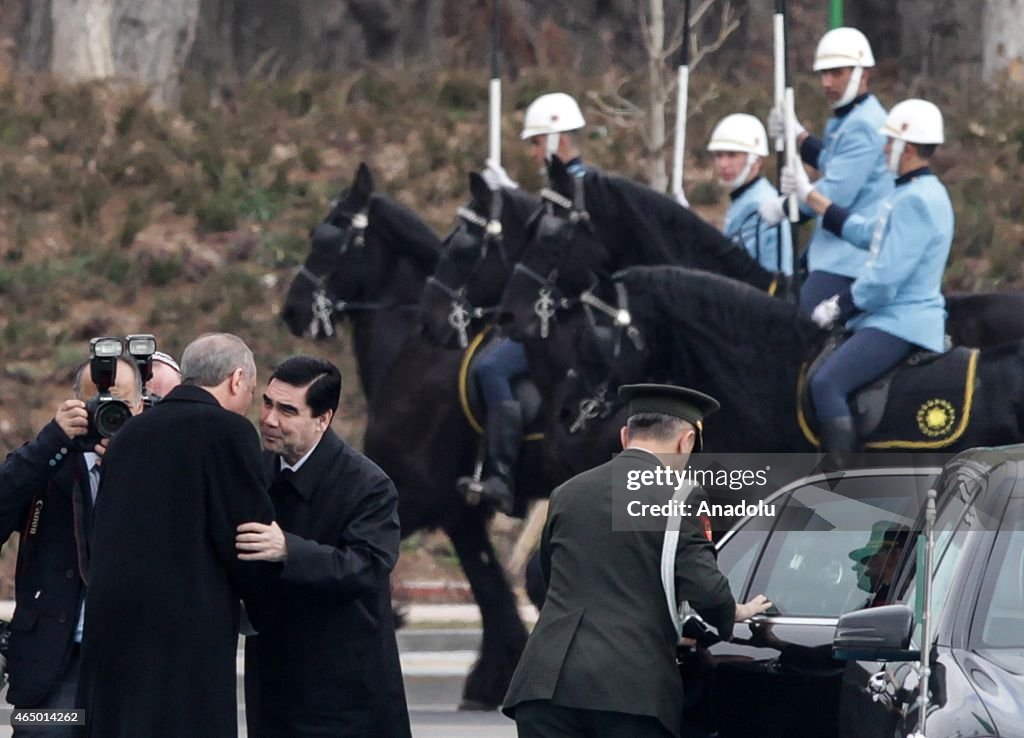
(999, 617)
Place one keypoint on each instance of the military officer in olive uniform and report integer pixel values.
(601, 661)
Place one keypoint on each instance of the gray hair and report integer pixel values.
(211, 358)
(122, 362)
(657, 426)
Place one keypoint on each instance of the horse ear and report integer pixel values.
(479, 190)
(363, 183)
(558, 175)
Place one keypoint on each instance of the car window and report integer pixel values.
(816, 562)
(957, 521)
(999, 616)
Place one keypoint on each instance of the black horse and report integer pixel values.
(702, 330)
(461, 296)
(370, 260)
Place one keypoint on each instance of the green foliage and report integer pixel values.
(136, 218)
(161, 271)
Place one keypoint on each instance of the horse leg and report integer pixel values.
(504, 635)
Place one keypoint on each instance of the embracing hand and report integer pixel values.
(261, 542)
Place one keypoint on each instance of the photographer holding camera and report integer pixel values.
(47, 491)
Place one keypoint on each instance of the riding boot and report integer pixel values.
(504, 436)
(839, 436)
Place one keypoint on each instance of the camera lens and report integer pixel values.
(110, 416)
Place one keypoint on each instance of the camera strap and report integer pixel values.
(669, 547)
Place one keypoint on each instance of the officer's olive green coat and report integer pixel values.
(604, 639)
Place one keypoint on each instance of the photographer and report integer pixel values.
(47, 491)
(166, 375)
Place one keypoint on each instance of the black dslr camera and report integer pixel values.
(142, 346)
(106, 413)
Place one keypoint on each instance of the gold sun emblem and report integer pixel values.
(936, 417)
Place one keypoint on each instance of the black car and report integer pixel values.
(843, 545)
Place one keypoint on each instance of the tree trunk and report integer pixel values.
(82, 42)
(1003, 40)
(657, 174)
(152, 40)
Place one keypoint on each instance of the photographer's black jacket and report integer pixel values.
(44, 494)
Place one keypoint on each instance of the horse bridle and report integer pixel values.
(463, 312)
(324, 305)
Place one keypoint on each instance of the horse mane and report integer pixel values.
(523, 203)
(647, 221)
(719, 335)
(405, 229)
(741, 312)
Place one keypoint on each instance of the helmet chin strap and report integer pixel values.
(895, 154)
(741, 178)
(552, 145)
(852, 88)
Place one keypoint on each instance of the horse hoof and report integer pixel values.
(468, 705)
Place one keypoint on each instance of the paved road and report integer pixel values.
(433, 683)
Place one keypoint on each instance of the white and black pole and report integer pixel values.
(682, 102)
(494, 149)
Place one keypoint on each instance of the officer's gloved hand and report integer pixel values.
(773, 210)
(794, 180)
(777, 123)
(826, 312)
(496, 177)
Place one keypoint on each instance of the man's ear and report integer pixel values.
(237, 382)
(687, 441)
(323, 420)
(624, 436)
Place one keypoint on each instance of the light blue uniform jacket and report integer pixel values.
(899, 288)
(744, 225)
(854, 176)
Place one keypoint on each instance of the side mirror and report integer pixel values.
(875, 634)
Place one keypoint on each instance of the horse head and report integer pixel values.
(336, 264)
(558, 266)
(476, 260)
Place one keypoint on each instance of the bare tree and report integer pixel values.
(1003, 40)
(651, 119)
(151, 42)
(82, 39)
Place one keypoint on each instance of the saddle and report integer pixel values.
(924, 402)
(471, 398)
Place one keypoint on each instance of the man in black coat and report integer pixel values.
(601, 661)
(326, 663)
(161, 621)
(47, 490)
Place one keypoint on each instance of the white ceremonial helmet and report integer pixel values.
(552, 115)
(840, 48)
(911, 121)
(914, 121)
(741, 133)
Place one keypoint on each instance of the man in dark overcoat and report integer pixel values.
(601, 661)
(327, 661)
(47, 491)
(161, 620)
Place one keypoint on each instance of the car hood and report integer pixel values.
(997, 675)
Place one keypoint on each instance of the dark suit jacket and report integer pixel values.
(44, 494)
(604, 639)
(327, 661)
(158, 658)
